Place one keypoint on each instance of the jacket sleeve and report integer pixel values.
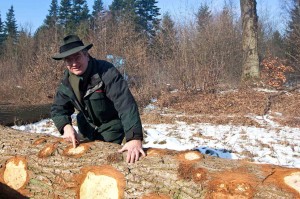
(61, 111)
(118, 92)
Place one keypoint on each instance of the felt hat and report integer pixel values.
(71, 44)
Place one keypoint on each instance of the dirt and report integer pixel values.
(230, 107)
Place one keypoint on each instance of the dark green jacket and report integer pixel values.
(107, 105)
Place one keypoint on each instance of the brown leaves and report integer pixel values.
(274, 71)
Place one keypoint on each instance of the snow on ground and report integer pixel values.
(272, 143)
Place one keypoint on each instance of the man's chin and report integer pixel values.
(77, 72)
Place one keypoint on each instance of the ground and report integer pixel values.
(228, 107)
(255, 124)
(258, 125)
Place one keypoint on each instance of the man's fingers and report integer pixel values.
(134, 148)
(67, 138)
(137, 155)
(142, 152)
(70, 135)
(128, 157)
(74, 142)
(122, 150)
(132, 157)
(77, 141)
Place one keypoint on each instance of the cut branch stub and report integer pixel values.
(39, 141)
(187, 170)
(101, 182)
(199, 174)
(15, 173)
(76, 152)
(189, 157)
(48, 150)
(159, 152)
(114, 158)
(233, 184)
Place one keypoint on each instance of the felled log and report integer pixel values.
(40, 166)
(12, 114)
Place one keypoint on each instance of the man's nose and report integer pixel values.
(74, 63)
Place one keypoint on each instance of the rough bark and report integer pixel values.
(39, 166)
(250, 39)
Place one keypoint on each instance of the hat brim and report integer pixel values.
(67, 53)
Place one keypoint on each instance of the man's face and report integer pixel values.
(77, 63)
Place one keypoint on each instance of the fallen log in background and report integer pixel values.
(14, 114)
(40, 166)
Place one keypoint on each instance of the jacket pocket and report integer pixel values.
(102, 108)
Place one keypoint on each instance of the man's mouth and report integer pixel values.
(77, 68)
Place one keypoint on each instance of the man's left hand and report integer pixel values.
(134, 148)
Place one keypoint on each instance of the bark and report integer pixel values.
(250, 39)
(39, 166)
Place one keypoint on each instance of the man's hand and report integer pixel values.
(70, 135)
(134, 148)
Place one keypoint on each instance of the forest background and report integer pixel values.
(159, 54)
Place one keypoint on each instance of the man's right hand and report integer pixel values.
(70, 135)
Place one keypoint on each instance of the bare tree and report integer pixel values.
(250, 49)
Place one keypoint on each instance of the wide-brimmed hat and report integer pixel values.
(71, 44)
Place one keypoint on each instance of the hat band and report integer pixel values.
(69, 46)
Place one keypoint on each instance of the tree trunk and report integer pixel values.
(250, 39)
(40, 166)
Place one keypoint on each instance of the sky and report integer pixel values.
(30, 14)
(271, 143)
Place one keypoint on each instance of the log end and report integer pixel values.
(47, 150)
(76, 152)
(15, 173)
(39, 141)
(101, 182)
(159, 152)
(285, 178)
(189, 157)
(293, 181)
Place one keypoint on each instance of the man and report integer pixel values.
(107, 109)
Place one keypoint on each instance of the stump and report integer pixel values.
(41, 166)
